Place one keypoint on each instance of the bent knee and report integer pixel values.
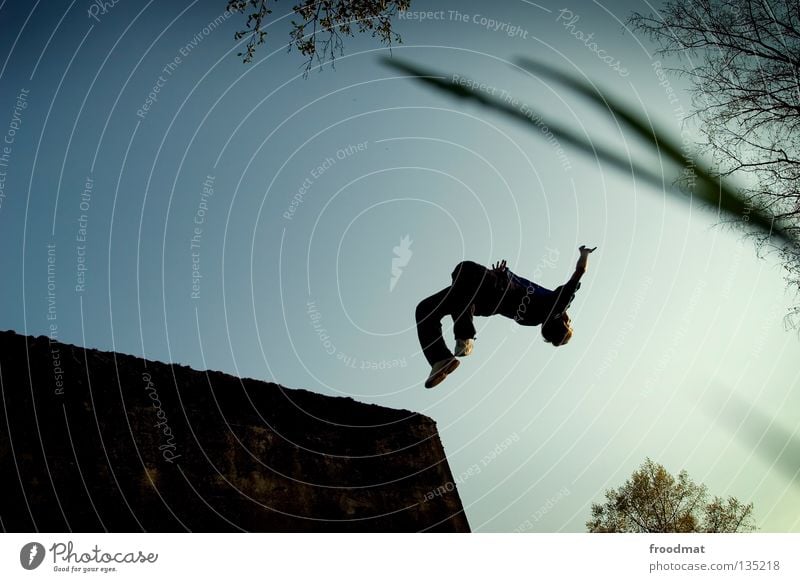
(465, 266)
(423, 309)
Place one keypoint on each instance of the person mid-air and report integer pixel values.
(478, 291)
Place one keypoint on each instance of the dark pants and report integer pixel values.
(475, 291)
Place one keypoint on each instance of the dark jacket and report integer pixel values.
(531, 304)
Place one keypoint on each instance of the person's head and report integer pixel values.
(557, 330)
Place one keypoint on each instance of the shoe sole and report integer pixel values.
(438, 378)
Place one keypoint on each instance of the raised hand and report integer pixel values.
(583, 260)
(499, 266)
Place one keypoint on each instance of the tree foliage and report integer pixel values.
(743, 60)
(321, 25)
(654, 501)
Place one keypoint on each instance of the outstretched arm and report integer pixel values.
(580, 266)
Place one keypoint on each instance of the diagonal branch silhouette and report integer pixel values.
(710, 187)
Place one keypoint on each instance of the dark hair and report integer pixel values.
(557, 330)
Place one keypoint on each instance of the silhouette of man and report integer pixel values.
(478, 291)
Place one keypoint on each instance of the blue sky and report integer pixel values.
(676, 317)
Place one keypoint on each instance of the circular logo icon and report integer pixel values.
(31, 555)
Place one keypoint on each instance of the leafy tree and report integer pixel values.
(321, 25)
(653, 501)
(743, 60)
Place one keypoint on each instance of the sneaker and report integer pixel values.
(440, 370)
(464, 347)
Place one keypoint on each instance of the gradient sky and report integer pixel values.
(677, 319)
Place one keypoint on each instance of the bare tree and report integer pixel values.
(743, 59)
(653, 501)
(321, 26)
